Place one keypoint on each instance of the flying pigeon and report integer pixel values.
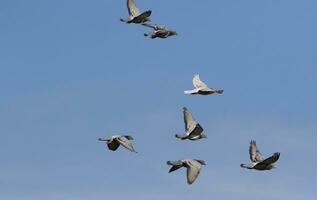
(113, 142)
(201, 88)
(159, 31)
(258, 162)
(193, 168)
(135, 16)
(192, 128)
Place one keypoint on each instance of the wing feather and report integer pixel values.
(198, 83)
(132, 8)
(189, 120)
(193, 171)
(255, 154)
(271, 159)
(113, 145)
(125, 142)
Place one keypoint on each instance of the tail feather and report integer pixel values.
(183, 137)
(191, 91)
(245, 166)
(219, 91)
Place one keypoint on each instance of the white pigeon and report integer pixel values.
(135, 16)
(113, 142)
(193, 168)
(192, 128)
(201, 88)
(258, 163)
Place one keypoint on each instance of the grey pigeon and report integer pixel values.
(201, 88)
(135, 16)
(192, 128)
(258, 162)
(193, 167)
(160, 31)
(113, 142)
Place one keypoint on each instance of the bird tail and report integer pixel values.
(146, 34)
(195, 91)
(245, 166)
(219, 91)
(179, 136)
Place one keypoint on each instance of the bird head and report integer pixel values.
(102, 139)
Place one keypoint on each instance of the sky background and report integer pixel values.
(71, 72)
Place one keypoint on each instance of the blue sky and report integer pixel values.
(71, 72)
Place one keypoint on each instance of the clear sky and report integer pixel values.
(71, 72)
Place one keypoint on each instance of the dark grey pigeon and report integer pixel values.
(135, 16)
(193, 168)
(201, 88)
(160, 31)
(258, 162)
(113, 142)
(192, 128)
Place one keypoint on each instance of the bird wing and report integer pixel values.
(125, 142)
(193, 171)
(271, 159)
(133, 10)
(190, 122)
(175, 165)
(197, 130)
(198, 83)
(154, 26)
(113, 145)
(128, 137)
(255, 154)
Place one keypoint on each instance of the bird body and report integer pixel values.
(135, 16)
(193, 168)
(113, 142)
(192, 128)
(201, 88)
(257, 161)
(160, 31)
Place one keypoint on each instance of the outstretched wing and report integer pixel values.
(154, 26)
(190, 122)
(193, 171)
(113, 145)
(133, 10)
(197, 130)
(271, 159)
(198, 83)
(175, 165)
(255, 154)
(125, 142)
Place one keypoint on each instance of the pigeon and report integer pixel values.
(201, 88)
(135, 16)
(160, 31)
(193, 168)
(258, 163)
(192, 128)
(113, 142)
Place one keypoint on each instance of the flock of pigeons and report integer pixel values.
(136, 17)
(193, 130)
